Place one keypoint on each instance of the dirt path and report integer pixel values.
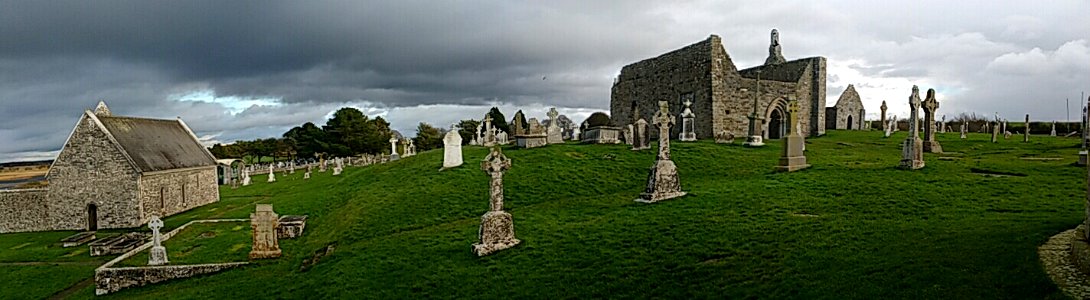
(68, 292)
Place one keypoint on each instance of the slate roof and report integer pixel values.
(156, 145)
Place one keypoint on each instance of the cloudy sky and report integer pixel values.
(237, 70)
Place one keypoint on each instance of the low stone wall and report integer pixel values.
(109, 280)
(23, 210)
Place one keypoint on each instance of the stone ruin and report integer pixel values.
(662, 182)
(497, 231)
(930, 105)
(912, 148)
(264, 222)
(528, 134)
(793, 158)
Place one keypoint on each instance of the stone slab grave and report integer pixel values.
(497, 231)
(263, 223)
(662, 182)
(534, 137)
(117, 244)
(78, 239)
(793, 158)
(291, 226)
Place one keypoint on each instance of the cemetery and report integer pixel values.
(965, 226)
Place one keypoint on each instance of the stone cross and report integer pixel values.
(552, 116)
(663, 120)
(930, 105)
(158, 254)
(1025, 135)
(912, 148)
(883, 116)
(913, 118)
(495, 165)
(488, 122)
(263, 222)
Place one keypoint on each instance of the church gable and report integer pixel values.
(849, 98)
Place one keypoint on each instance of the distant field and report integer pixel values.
(20, 173)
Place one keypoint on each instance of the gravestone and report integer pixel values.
(452, 149)
(393, 149)
(930, 105)
(272, 175)
(662, 182)
(321, 165)
(489, 137)
(245, 177)
(1053, 132)
(889, 128)
(942, 125)
(793, 158)
(501, 138)
(1025, 134)
(641, 135)
(291, 167)
(912, 148)
(263, 222)
(534, 137)
(497, 231)
(995, 132)
(158, 254)
(553, 131)
(1004, 125)
(306, 175)
(626, 134)
(724, 137)
(964, 128)
(688, 123)
(336, 170)
(883, 116)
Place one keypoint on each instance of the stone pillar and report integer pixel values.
(1053, 132)
(964, 128)
(930, 106)
(912, 148)
(793, 158)
(662, 182)
(883, 116)
(497, 230)
(158, 254)
(1025, 135)
(263, 222)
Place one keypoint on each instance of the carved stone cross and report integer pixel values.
(914, 105)
(495, 164)
(155, 224)
(663, 120)
(553, 114)
(792, 116)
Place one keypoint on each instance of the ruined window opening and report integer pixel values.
(162, 200)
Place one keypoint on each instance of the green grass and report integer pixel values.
(203, 243)
(852, 226)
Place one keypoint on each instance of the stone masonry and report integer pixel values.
(705, 73)
(848, 113)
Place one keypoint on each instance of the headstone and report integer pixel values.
(517, 127)
(336, 170)
(995, 131)
(912, 148)
(272, 175)
(534, 137)
(1025, 134)
(889, 128)
(662, 182)
(502, 138)
(1004, 125)
(291, 167)
(1007, 135)
(1053, 132)
(883, 116)
(930, 105)
(497, 231)
(263, 222)
(641, 135)
(688, 123)
(724, 137)
(245, 177)
(964, 128)
(452, 148)
(555, 135)
(489, 137)
(793, 157)
(158, 254)
(393, 149)
(321, 165)
(942, 125)
(306, 175)
(626, 133)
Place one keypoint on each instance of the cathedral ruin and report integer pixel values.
(723, 96)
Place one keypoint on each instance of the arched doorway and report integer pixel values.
(775, 125)
(92, 217)
(850, 123)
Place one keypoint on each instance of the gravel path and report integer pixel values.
(1056, 260)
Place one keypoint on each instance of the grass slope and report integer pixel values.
(852, 226)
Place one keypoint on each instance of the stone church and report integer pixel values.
(723, 96)
(848, 112)
(116, 172)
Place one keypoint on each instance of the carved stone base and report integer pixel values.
(793, 158)
(1082, 158)
(687, 137)
(394, 157)
(912, 154)
(157, 256)
(662, 183)
(265, 254)
(531, 141)
(497, 232)
(932, 147)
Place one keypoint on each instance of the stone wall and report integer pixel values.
(109, 280)
(704, 71)
(91, 171)
(849, 105)
(23, 210)
(167, 193)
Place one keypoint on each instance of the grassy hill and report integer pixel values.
(852, 226)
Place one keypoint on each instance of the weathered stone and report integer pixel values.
(393, 149)
(553, 131)
(930, 106)
(117, 244)
(847, 113)
(688, 121)
(883, 116)
(641, 135)
(290, 226)
(626, 133)
(452, 148)
(912, 148)
(662, 182)
(158, 254)
(1025, 135)
(263, 222)
(497, 231)
(272, 175)
(964, 129)
(78, 239)
(488, 137)
(793, 158)
(724, 137)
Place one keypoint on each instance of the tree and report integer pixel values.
(427, 137)
(377, 136)
(467, 128)
(347, 128)
(498, 120)
(308, 140)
